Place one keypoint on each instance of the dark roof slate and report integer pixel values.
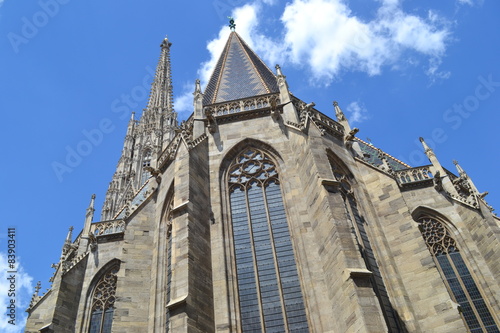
(239, 73)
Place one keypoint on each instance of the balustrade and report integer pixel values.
(413, 175)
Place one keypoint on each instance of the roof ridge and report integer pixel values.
(225, 54)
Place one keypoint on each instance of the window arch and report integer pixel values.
(103, 301)
(146, 162)
(269, 293)
(456, 275)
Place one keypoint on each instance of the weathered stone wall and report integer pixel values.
(338, 289)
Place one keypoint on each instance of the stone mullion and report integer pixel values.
(466, 292)
(276, 267)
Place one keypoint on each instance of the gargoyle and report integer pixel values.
(352, 133)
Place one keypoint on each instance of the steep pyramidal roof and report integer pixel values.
(239, 73)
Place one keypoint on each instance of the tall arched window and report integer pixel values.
(146, 162)
(103, 300)
(269, 293)
(456, 275)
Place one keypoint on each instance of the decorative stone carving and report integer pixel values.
(438, 183)
(211, 122)
(352, 133)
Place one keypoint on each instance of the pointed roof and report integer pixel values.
(239, 73)
(161, 95)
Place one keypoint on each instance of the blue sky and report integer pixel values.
(399, 70)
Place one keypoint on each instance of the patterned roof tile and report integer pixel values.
(239, 73)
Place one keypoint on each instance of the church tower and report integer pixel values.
(259, 213)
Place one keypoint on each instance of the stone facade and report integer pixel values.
(352, 215)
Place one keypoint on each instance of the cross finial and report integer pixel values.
(232, 25)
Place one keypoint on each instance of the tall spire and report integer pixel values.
(161, 89)
(161, 96)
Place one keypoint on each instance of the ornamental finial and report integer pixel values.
(232, 25)
(38, 287)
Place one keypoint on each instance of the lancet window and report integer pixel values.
(103, 300)
(456, 275)
(146, 162)
(269, 293)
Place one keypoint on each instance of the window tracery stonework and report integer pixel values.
(268, 288)
(436, 236)
(105, 291)
(250, 167)
(457, 276)
(103, 301)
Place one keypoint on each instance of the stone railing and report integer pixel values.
(107, 227)
(413, 175)
(241, 105)
(327, 122)
(324, 123)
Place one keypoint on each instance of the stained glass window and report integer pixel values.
(103, 300)
(457, 276)
(269, 293)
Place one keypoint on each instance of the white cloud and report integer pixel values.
(23, 293)
(470, 2)
(358, 112)
(433, 71)
(329, 38)
(246, 23)
(184, 103)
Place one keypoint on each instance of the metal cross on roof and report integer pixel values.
(232, 25)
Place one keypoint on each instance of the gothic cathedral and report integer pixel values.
(261, 214)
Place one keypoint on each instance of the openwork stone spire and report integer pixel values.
(161, 89)
(161, 96)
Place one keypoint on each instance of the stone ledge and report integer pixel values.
(351, 273)
(331, 185)
(175, 303)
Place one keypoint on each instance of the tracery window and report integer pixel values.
(103, 300)
(456, 275)
(146, 162)
(269, 293)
